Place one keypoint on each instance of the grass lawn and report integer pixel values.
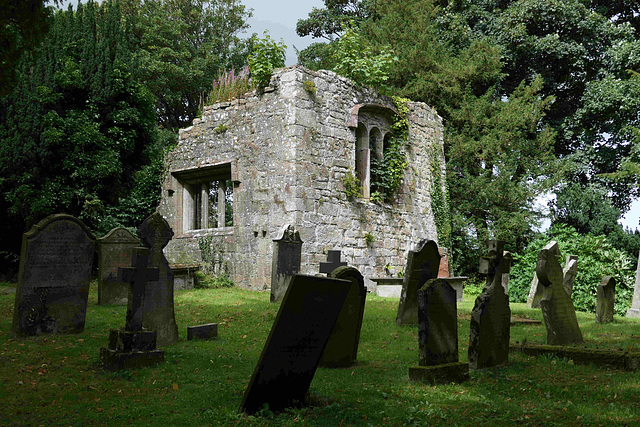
(56, 380)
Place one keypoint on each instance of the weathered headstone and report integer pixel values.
(438, 336)
(333, 262)
(342, 348)
(443, 269)
(133, 347)
(287, 255)
(569, 273)
(53, 280)
(605, 300)
(159, 314)
(634, 311)
(422, 265)
(295, 344)
(202, 332)
(558, 311)
(536, 290)
(491, 316)
(114, 250)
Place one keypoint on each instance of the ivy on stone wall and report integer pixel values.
(440, 203)
(387, 174)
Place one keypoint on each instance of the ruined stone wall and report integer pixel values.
(289, 149)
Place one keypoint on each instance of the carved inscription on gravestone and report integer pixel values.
(115, 250)
(295, 344)
(53, 281)
(557, 308)
(422, 265)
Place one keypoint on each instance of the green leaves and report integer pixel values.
(267, 55)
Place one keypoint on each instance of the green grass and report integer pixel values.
(56, 380)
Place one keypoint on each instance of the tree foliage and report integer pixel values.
(267, 54)
(329, 22)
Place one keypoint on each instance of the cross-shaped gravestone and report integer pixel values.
(491, 315)
(557, 308)
(333, 262)
(137, 276)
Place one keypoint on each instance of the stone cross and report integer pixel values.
(333, 262)
(137, 276)
(570, 272)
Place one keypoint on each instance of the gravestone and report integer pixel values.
(569, 273)
(536, 290)
(333, 262)
(342, 348)
(115, 250)
(296, 342)
(557, 308)
(422, 265)
(634, 311)
(438, 336)
(133, 347)
(287, 255)
(53, 280)
(605, 300)
(202, 332)
(491, 316)
(159, 313)
(443, 269)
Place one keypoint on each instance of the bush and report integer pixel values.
(596, 258)
(205, 281)
(266, 56)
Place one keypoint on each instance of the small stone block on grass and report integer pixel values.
(202, 332)
(457, 372)
(115, 360)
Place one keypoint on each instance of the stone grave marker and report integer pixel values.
(443, 268)
(53, 280)
(491, 316)
(438, 336)
(557, 308)
(536, 290)
(202, 332)
(115, 250)
(422, 265)
(287, 255)
(133, 347)
(333, 262)
(296, 342)
(569, 273)
(605, 300)
(159, 314)
(634, 311)
(342, 348)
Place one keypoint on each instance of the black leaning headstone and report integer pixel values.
(159, 314)
(438, 336)
(422, 265)
(295, 344)
(287, 255)
(333, 262)
(133, 347)
(53, 280)
(490, 326)
(342, 348)
(605, 300)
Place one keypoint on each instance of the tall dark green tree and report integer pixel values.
(79, 130)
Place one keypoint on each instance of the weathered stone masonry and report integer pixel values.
(282, 155)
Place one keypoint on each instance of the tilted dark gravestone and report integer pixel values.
(634, 311)
(491, 316)
(438, 336)
(422, 265)
(133, 347)
(115, 250)
(295, 344)
(159, 314)
(569, 273)
(558, 311)
(202, 332)
(333, 262)
(287, 255)
(53, 280)
(536, 291)
(342, 348)
(605, 300)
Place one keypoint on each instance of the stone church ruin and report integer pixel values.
(251, 167)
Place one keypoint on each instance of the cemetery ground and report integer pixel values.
(56, 379)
